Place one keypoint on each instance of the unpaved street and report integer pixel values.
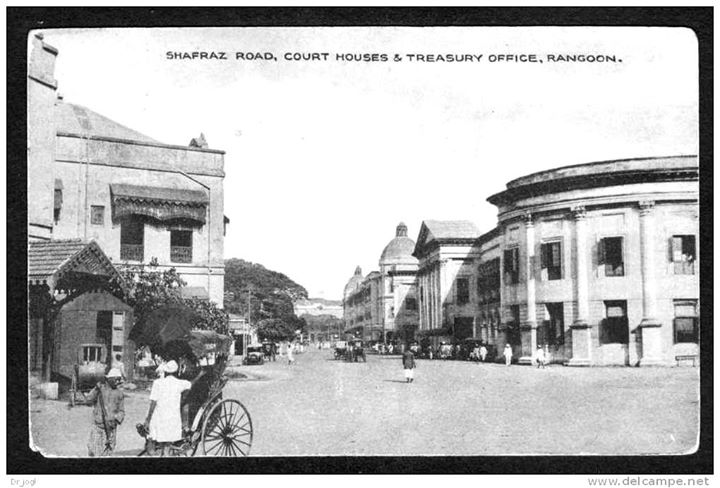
(320, 406)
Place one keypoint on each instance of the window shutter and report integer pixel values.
(689, 247)
(676, 248)
(543, 255)
(555, 250)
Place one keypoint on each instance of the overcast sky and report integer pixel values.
(324, 158)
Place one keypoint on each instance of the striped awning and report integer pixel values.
(158, 202)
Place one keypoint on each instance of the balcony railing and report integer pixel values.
(180, 254)
(131, 252)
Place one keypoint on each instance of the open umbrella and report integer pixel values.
(163, 325)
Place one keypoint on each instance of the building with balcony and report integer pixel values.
(102, 196)
(600, 261)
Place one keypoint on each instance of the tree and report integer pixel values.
(265, 296)
(149, 289)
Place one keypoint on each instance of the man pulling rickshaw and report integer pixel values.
(206, 424)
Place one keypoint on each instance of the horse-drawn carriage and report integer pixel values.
(340, 349)
(220, 426)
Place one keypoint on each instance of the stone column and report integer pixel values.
(528, 329)
(581, 328)
(650, 327)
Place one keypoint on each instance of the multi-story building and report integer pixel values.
(600, 261)
(457, 281)
(383, 305)
(102, 196)
(597, 262)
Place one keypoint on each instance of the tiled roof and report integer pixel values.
(452, 229)
(49, 260)
(76, 119)
(46, 257)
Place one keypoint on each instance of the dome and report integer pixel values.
(400, 249)
(353, 283)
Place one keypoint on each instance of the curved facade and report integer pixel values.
(600, 261)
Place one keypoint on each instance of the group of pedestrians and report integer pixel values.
(164, 424)
(542, 358)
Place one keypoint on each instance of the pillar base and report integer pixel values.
(526, 360)
(578, 362)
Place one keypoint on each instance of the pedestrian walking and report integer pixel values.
(164, 421)
(408, 360)
(483, 352)
(108, 413)
(508, 354)
(540, 357)
(290, 357)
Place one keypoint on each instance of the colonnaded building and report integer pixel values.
(598, 261)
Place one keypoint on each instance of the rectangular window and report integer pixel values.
(97, 215)
(550, 260)
(462, 291)
(511, 266)
(552, 330)
(683, 254)
(92, 354)
(685, 324)
(132, 240)
(181, 246)
(614, 328)
(103, 331)
(611, 256)
(410, 304)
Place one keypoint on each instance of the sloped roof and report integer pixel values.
(76, 119)
(444, 230)
(48, 261)
(452, 229)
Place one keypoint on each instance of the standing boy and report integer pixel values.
(108, 412)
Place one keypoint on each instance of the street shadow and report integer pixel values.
(394, 381)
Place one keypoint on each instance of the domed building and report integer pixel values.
(383, 305)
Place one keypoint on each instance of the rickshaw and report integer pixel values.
(220, 426)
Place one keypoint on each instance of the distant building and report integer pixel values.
(383, 305)
(319, 306)
(458, 282)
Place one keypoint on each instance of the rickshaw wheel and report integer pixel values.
(227, 430)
